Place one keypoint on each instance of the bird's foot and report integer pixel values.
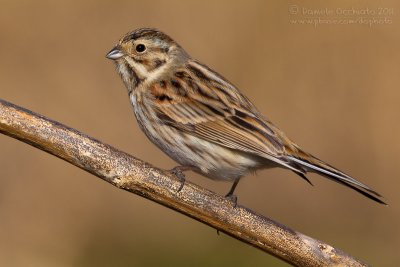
(178, 172)
(232, 198)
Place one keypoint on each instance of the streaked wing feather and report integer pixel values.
(226, 121)
(217, 129)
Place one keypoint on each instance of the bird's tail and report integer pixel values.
(309, 163)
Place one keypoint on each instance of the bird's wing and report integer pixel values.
(228, 119)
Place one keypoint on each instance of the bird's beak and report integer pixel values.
(115, 53)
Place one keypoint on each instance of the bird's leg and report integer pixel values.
(230, 194)
(178, 172)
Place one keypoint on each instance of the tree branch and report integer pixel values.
(126, 172)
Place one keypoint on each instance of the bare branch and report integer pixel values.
(136, 176)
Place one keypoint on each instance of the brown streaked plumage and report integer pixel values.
(201, 120)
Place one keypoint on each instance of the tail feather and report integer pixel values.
(318, 166)
(303, 175)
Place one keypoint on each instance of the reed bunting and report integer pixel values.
(203, 121)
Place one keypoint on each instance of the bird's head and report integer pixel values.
(145, 54)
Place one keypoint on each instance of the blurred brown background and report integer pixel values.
(332, 88)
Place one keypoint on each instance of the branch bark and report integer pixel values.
(131, 174)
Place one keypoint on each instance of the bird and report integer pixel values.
(202, 121)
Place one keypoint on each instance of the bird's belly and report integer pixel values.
(209, 159)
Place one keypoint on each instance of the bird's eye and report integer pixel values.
(140, 48)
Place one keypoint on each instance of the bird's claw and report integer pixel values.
(232, 198)
(179, 174)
